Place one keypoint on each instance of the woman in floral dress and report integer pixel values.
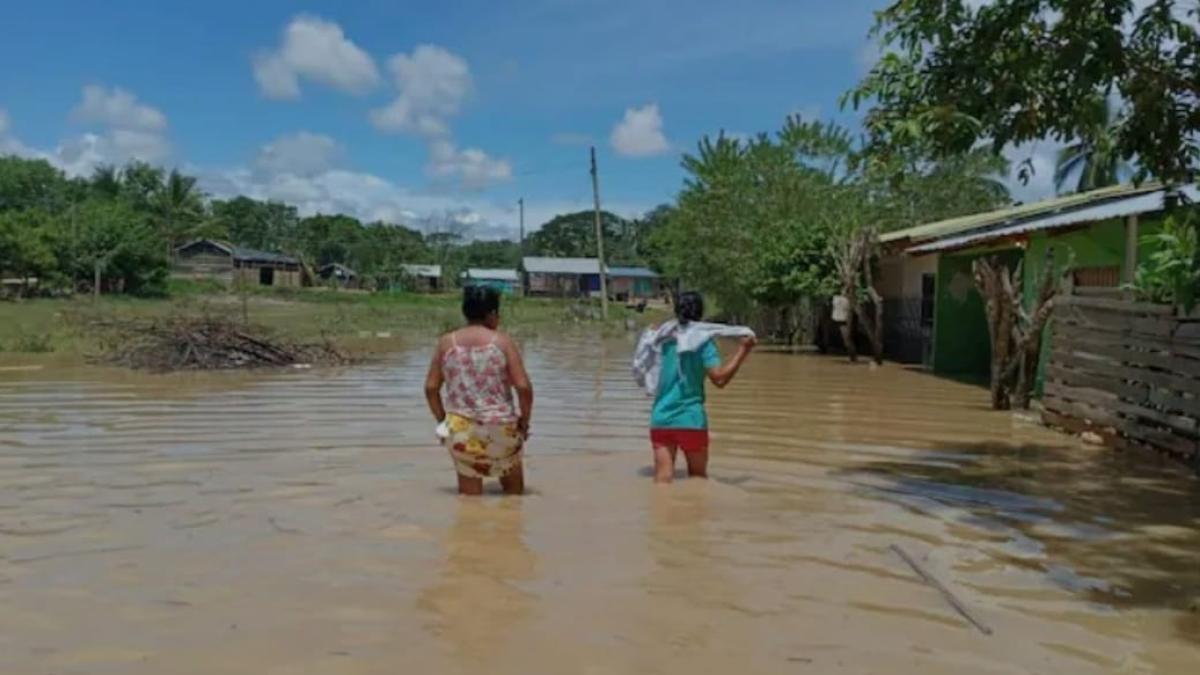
(470, 393)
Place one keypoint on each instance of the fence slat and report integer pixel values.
(1125, 367)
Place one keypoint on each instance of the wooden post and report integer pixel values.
(1129, 271)
(96, 280)
(599, 238)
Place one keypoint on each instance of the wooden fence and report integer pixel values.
(1127, 371)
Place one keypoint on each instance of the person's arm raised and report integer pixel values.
(723, 374)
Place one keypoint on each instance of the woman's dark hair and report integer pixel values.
(689, 307)
(479, 301)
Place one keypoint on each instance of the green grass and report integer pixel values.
(62, 325)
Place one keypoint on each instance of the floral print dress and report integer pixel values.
(480, 415)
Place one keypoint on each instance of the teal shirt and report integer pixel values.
(680, 400)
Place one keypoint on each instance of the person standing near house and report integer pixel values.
(672, 362)
(478, 422)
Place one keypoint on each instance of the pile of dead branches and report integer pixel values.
(206, 343)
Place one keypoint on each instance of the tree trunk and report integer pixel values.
(847, 329)
(1014, 334)
(96, 281)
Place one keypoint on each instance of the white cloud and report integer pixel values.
(121, 130)
(472, 167)
(318, 50)
(302, 154)
(81, 155)
(640, 133)
(116, 108)
(433, 83)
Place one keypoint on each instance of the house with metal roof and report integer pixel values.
(933, 312)
(210, 259)
(561, 277)
(633, 283)
(504, 280)
(338, 275)
(424, 278)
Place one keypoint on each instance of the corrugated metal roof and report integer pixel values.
(1120, 207)
(632, 272)
(561, 265)
(954, 226)
(243, 254)
(253, 255)
(430, 271)
(490, 274)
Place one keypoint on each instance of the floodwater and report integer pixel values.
(304, 522)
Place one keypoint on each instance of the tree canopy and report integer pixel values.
(954, 74)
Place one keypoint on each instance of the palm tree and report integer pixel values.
(179, 207)
(1094, 159)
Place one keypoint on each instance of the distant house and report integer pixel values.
(339, 274)
(504, 280)
(222, 261)
(561, 277)
(633, 283)
(426, 278)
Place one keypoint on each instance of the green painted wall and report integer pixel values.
(961, 345)
(960, 336)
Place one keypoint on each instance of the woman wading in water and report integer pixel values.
(477, 421)
(671, 362)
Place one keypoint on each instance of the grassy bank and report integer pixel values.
(65, 326)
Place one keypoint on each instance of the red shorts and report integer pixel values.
(688, 440)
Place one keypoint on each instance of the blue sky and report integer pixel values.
(400, 110)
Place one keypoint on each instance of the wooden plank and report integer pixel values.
(1119, 323)
(1098, 292)
(1055, 372)
(1162, 439)
(1137, 393)
(1109, 368)
(1109, 305)
(1129, 355)
(1110, 402)
(1185, 348)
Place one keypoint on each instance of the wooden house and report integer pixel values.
(424, 278)
(224, 262)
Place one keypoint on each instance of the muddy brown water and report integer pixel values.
(303, 522)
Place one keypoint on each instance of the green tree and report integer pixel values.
(573, 235)
(32, 183)
(1014, 71)
(26, 245)
(178, 208)
(1094, 159)
(111, 243)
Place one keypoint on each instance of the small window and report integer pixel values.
(1098, 277)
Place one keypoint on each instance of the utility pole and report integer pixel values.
(599, 238)
(521, 203)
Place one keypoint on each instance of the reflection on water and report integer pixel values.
(304, 522)
(477, 602)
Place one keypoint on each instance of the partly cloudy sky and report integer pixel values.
(401, 110)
